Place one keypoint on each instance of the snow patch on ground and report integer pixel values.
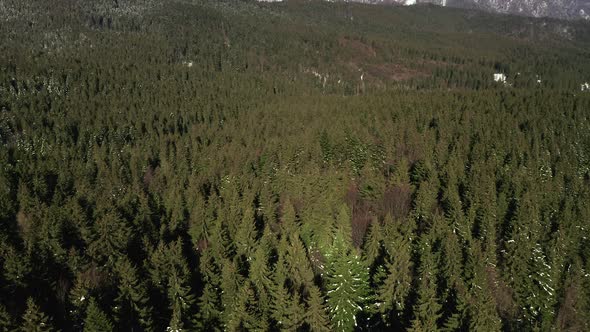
(500, 77)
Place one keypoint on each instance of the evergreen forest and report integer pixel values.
(234, 165)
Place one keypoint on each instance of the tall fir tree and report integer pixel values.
(132, 299)
(347, 283)
(96, 320)
(427, 310)
(181, 302)
(34, 320)
(209, 303)
(316, 315)
(6, 322)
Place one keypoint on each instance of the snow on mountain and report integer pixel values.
(567, 9)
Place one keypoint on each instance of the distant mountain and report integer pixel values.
(565, 9)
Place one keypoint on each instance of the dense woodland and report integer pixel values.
(299, 166)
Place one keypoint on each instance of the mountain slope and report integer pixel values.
(566, 9)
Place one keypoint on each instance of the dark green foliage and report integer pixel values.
(6, 322)
(347, 284)
(316, 314)
(133, 303)
(96, 320)
(427, 309)
(34, 319)
(303, 165)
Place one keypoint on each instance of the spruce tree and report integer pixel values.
(392, 292)
(246, 236)
(372, 246)
(6, 322)
(316, 314)
(132, 299)
(96, 320)
(427, 309)
(347, 283)
(296, 258)
(245, 312)
(111, 238)
(295, 314)
(260, 275)
(34, 320)
(209, 303)
(280, 294)
(181, 302)
(481, 306)
(231, 283)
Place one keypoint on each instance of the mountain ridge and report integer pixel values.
(563, 9)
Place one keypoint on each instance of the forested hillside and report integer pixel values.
(302, 166)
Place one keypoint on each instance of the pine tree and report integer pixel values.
(427, 309)
(316, 314)
(181, 302)
(34, 320)
(6, 322)
(260, 275)
(78, 300)
(280, 294)
(372, 247)
(483, 315)
(295, 314)
(343, 224)
(296, 258)
(111, 238)
(245, 312)
(132, 299)
(96, 320)
(288, 219)
(397, 284)
(425, 200)
(347, 283)
(209, 303)
(230, 286)
(456, 321)
(246, 235)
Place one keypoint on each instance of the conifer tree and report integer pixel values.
(295, 314)
(296, 258)
(280, 294)
(6, 322)
(395, 288)
(246, 235)
(316, 314)
(132, 299)
(394, 285)
(209, 303)
(457, 320)
(427, 309)
(181, 302)
(482, 310)
(347, 283)
(288, 218)
(260, 275)
(245, 313)
(96, 320)
(372, 247)
(112, 236)
(34, 320)
(230, 286)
